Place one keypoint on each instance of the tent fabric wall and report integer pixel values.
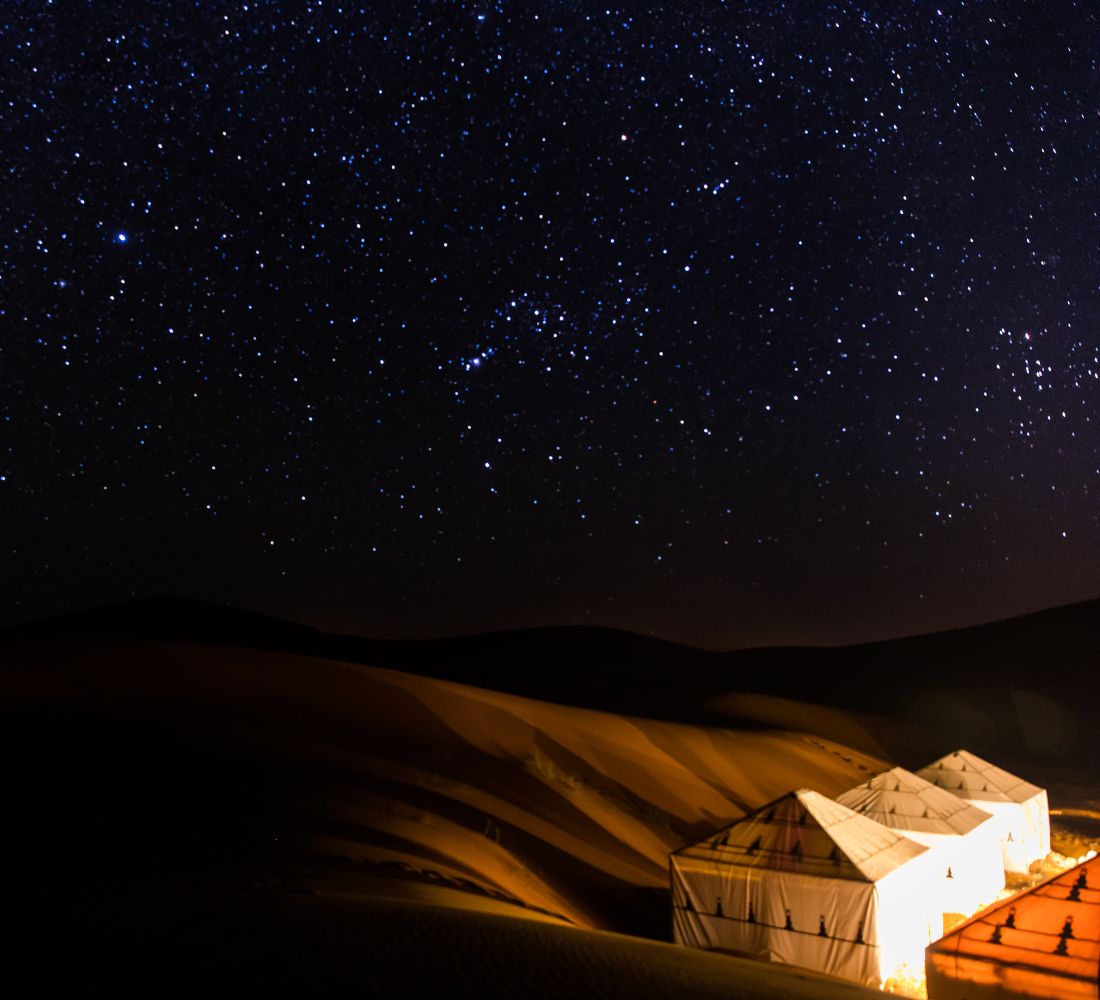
(972, 867)
(808, 882)
(1020, 806)
(965, 838)
(747, 911)
(1042, 943)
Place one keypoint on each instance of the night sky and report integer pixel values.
(728, 323)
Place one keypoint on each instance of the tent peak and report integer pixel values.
(905, 801)
(806, 832)
(969, 776)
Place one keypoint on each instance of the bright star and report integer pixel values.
(121, 237)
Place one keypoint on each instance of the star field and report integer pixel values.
(731, 324)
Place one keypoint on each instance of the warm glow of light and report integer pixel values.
(906, 930)
(907, 981)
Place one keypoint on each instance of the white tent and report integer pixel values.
(967, 839)
(1020, 807)
(1042, 943)
(809, 882)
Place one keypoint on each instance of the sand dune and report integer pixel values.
(296, 819)
(564, 810)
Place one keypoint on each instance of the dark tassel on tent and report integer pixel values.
(1081, 883)
(787, 925)
(995, 938)
(1010, 920)
(752, 914)
(821, 926)
(1063, 939)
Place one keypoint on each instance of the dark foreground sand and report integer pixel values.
(385, 946)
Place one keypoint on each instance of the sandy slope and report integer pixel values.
(565, 810)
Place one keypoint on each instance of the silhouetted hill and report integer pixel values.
(174, 619)
(1013, 686)
(591, 666)
(547, 662)
(1063, 638)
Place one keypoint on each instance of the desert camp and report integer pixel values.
(860, 886)
(492, 494)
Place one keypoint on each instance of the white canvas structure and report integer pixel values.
(1020, 807)
(966, 839)
(809, 882)
(1042, 943)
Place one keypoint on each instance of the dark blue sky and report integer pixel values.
(731, 323)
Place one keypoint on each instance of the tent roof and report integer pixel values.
(972, 778)
(902, 800)
(806, 833)
(1028, 931)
